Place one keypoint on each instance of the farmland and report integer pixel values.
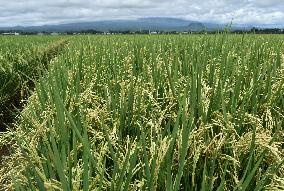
(143, 112)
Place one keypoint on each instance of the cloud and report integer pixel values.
(40, 12)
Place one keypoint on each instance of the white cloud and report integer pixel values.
(38, 12)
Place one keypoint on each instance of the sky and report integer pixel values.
(42, 12)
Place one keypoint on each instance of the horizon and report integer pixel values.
(39, 13)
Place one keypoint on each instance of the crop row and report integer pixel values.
(22, 59)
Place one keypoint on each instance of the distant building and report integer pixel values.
(11, 33)
(54, 33)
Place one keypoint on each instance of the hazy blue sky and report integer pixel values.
(38, 12)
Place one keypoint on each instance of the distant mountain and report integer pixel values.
(152, 24)
(197, 26)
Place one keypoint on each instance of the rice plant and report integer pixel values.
(167, 112)
(22, 59)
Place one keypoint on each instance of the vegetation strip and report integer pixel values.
(14, 102)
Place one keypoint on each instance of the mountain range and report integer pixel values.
(152, 24)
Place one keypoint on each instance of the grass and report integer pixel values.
(200, 112)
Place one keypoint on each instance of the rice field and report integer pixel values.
(151, 112)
